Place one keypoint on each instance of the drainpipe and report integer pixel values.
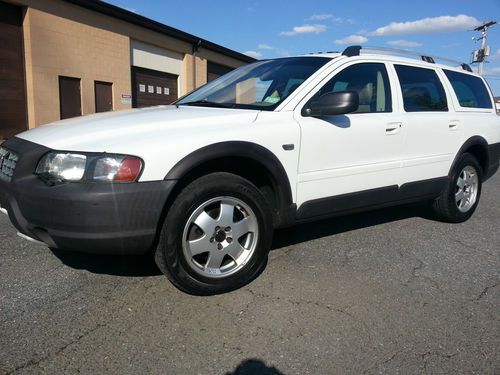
(196, 48)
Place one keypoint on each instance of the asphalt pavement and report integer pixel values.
(386, 292)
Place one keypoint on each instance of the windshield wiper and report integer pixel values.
(208, 103)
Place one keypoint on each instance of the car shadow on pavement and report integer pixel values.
(144, 265)
(254, 367)
(329, 227)
(115, 265)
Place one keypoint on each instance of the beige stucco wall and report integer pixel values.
(56, 46)
(62, 39)
(187, 69)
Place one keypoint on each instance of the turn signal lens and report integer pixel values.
(129, 170)
(117, 169)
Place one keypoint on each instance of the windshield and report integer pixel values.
(262, 85)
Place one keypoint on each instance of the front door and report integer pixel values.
(357, 152)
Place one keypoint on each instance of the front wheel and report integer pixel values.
(216, 235)
(459, 200)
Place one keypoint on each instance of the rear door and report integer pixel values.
(433, 130)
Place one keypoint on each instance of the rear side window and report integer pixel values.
(422, 89)
(471, 91)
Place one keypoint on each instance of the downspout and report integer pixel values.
(196, 48)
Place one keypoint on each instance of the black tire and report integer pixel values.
(445, 206)
(170, 255)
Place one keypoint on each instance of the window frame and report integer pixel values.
(339, 69)
(439, 74)
(455, 100)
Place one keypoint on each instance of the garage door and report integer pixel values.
(151, 87)
(214, 71)
(12, 88)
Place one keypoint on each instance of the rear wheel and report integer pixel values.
(216, 235)
(459, 200)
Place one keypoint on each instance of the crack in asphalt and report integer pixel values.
(485, 291)
(385, 361)
(37, 361)
(429, 353)
(468, 246)
(52, 354)
(343, 311)
(421, 265)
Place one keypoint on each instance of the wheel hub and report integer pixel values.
(220, 236)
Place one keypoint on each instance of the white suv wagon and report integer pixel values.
(203, 183)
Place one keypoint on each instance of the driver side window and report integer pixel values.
(369, 80)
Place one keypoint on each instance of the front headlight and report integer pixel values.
(72, 167)
(62, 166)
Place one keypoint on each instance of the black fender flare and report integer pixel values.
(243, 149)
(475, 140)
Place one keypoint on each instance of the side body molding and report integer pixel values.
(248, 150)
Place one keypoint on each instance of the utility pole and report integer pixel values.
(478, 56)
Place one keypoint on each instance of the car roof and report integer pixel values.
(399, 56)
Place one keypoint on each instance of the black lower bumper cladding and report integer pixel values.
(494, 159)
(86, 217)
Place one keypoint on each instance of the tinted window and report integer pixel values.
(371, 83)
(422, 89)
(471, 91)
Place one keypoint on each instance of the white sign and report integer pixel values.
(126, 99)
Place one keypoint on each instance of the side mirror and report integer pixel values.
(332, 103)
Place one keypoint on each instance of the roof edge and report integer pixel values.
(137, 19)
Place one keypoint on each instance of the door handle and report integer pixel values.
(393, 128)
(453, 125)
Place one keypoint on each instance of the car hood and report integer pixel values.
(103, 132)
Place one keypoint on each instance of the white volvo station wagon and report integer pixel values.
(204, 182)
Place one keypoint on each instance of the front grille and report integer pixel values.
(8, 162)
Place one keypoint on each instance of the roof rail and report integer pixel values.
(356, 51)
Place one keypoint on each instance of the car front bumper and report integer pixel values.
(86, 217)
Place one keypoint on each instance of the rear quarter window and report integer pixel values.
(470, 90)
